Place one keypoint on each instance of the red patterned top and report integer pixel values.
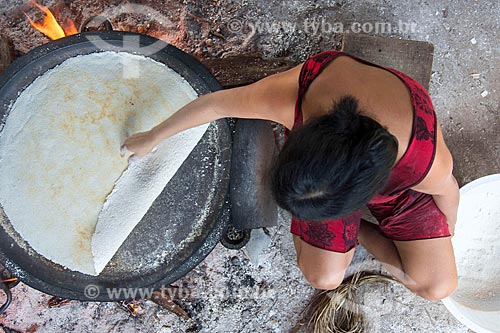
(340, 235)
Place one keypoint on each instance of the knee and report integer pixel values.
(437, 290)
(326, 280)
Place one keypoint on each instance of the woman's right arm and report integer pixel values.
(272, 98)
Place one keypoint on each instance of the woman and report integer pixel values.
(360, 135)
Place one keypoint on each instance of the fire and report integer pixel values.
(9, 280)
(133, 307)
(49, 26)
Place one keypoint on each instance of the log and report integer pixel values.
(411, 57)
(6, 54)
(246, 68)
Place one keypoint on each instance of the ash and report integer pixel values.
(465, 36)
(229, 293)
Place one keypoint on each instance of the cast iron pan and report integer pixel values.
(138, 262)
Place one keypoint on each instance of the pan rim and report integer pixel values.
(208, 84)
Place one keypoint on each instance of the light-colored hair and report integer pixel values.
(338, 310)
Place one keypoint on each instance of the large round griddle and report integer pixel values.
(191, 198)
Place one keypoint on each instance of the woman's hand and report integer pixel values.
(139, 144)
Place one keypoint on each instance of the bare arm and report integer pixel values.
(441, 183)
(271, 98)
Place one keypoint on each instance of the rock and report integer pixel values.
(256, 245)
(235, 261)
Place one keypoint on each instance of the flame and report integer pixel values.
(9, 280)
(49, 26)
(134, 308)
(69, 27)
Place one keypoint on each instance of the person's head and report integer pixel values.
(334, 164)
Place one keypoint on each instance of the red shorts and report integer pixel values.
(409, 216)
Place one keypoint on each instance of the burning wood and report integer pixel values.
(166, 302)
(57, 301)
(50, 27)
(6, 52)
(133, 307)
(9, 280)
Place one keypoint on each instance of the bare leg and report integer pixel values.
(383, 249)
(426, 267)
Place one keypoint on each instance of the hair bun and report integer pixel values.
(345, 114)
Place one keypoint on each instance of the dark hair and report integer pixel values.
(334, 164)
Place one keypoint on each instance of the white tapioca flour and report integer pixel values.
(477, 248)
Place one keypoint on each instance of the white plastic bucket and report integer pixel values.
(476, 302)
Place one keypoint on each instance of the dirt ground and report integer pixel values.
(465, 91)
